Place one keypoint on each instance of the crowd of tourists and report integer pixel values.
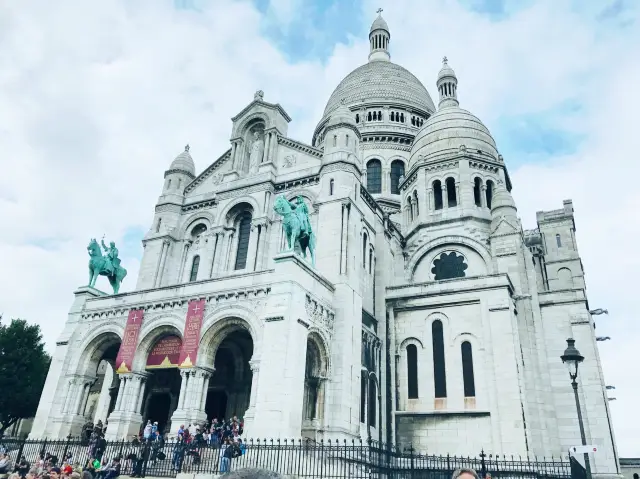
(216, 440)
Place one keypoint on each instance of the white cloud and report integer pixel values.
(97, 98)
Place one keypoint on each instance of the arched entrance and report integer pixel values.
(100, 397)
(163, 381)
(230, 385)
(315, 375)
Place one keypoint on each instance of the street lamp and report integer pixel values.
(572, 358)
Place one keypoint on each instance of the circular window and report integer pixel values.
(449, 265)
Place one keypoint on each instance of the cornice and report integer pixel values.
(297, 145)
(208, 172)
(179, 170)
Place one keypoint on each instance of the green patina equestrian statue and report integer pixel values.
(108, 265)
(297, 228)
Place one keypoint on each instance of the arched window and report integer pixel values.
(335, 140)
(477, 191)
(374, 176)
(158, 225)
(437, 195)
(467, 370)
(393, 116)
(369, 116)
(397, 172)
(415, 203)
(489, 193)
(370, 260)
(451, 192)
(331, 187)
(410, 208)
(179, 183)
(244, 232)
(412, 371)
(401, 117)
(364, 250)
(195, 265)
(357, 118)
(372, 399)
(169, 184)
(558, 241)
(346, 140)
(439, 370)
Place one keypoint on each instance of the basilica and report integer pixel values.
(429, 318)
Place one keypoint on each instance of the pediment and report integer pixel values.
(504, 227)
(210, 175)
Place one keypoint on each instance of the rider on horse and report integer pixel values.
(302, 212)
(112, 262)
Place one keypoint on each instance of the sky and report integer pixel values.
(97, 98)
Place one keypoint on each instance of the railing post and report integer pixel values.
(483, 465)
(412, 460)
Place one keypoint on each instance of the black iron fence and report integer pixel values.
(301, 458)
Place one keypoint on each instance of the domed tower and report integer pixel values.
(461, 163)
(167, 216)
(388, 105)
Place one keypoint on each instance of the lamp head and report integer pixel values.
(572, 358)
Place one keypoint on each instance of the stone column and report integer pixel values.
(345, 236)
(273, 146)
(184, 384)
(445, 196)
(69, 397)
(141, 391)
(205, 390)
(266, 147)
(183, 260)
(163, 262)
(158, 266)
(458, 197)
(216, 238)
(429, 200)
(196, 392)
(123, 382)
(264, 237)
(78, 398)
(254, 364)
(232, 251)
(137, 384)
(234, 154)
(483, 195)
(253, 248)
(86, 387)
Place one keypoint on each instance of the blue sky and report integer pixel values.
(89, 126)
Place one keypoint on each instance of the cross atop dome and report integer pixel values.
(186, 148)
(379, 11)
(444, 60)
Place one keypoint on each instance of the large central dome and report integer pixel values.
(380, 81)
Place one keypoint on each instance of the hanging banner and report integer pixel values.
(124, 360)
(165, 354)
(191, 336)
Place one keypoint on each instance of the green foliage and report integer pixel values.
(23, 369)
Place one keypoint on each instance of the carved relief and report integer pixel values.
(319, 314)
(217, 178)
(289, 161)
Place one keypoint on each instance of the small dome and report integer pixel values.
(184, 162)
(446, 70)
(341, 115)
(379, 24)
(450, 131)
(502, 199)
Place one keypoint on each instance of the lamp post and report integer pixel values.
(572, 358)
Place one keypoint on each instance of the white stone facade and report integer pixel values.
(431, 319)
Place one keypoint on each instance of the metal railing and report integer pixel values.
(302, 458)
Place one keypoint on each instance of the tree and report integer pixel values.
(23, 369)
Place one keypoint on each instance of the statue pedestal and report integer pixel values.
(233, 176)
(267, 167)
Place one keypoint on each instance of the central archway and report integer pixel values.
(228, 346)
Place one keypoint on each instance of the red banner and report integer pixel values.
(191, 336)
(124, 360)
(165, 354)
